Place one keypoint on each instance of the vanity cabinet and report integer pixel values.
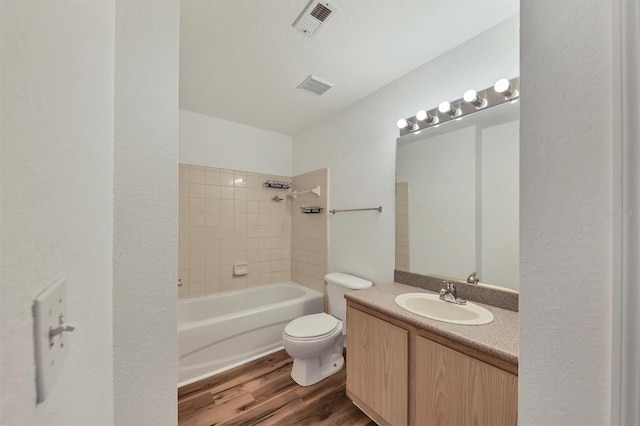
(401, 375)
(455, 389)
(377, 376)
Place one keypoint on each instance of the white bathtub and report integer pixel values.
(221, 331)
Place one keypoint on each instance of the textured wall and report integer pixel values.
(565, 166)
(359, 146)
(213, 142)
(145, 212)
(626, 242)
(56, 178)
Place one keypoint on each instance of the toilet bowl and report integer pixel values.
(316, 341)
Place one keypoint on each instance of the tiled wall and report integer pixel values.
(227, 217)
(310, 231)
(402, 226)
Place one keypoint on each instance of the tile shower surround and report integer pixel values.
(227, 216)
(310, 231)
(403, 260)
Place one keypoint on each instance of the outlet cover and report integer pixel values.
(51, 339)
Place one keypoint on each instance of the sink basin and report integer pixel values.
(430, 306)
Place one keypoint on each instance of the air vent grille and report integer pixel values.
(315, 85)
(314, 16)
(321, 12)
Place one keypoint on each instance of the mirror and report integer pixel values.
(457, 198)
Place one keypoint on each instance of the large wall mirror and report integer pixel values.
(457, 198)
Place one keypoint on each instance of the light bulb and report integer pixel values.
(503, 86)
(406, 124)
(470, 96)
(423, 115)
(446, 108)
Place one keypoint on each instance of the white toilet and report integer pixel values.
(315, 341)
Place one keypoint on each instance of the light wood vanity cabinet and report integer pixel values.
(400, 375)
(454, 389)
(377, 380)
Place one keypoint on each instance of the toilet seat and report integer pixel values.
(312, 327)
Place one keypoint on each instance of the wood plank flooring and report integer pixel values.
(263, 393)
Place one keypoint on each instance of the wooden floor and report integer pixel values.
(263, 393)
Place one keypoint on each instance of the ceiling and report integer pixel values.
(241, 60)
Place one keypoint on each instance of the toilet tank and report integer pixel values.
(337, 285)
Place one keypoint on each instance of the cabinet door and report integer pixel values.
(455, 389)
(377, 358)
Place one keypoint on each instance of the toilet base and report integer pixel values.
(307, 372)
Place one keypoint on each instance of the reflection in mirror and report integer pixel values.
(457, 198)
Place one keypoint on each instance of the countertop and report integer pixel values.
(498, 338)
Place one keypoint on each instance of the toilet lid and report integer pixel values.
(314, 325)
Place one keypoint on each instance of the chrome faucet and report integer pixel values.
(449, 294)
(472, 279)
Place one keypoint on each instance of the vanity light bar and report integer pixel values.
(503, 91)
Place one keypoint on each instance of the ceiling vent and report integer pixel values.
(314, 16)
(315, 85)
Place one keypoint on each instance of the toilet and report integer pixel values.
(316, 341)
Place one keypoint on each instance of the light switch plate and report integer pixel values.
(50, 312)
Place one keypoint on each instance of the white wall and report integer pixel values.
(359, 144)
(564, 193)
(441, 172)
(145, 212)
(56, 193)
(625, 369)
(501, 205)
(213, 142)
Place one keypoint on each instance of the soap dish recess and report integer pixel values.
(240, 269)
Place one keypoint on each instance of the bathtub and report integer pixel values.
(221, 331)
